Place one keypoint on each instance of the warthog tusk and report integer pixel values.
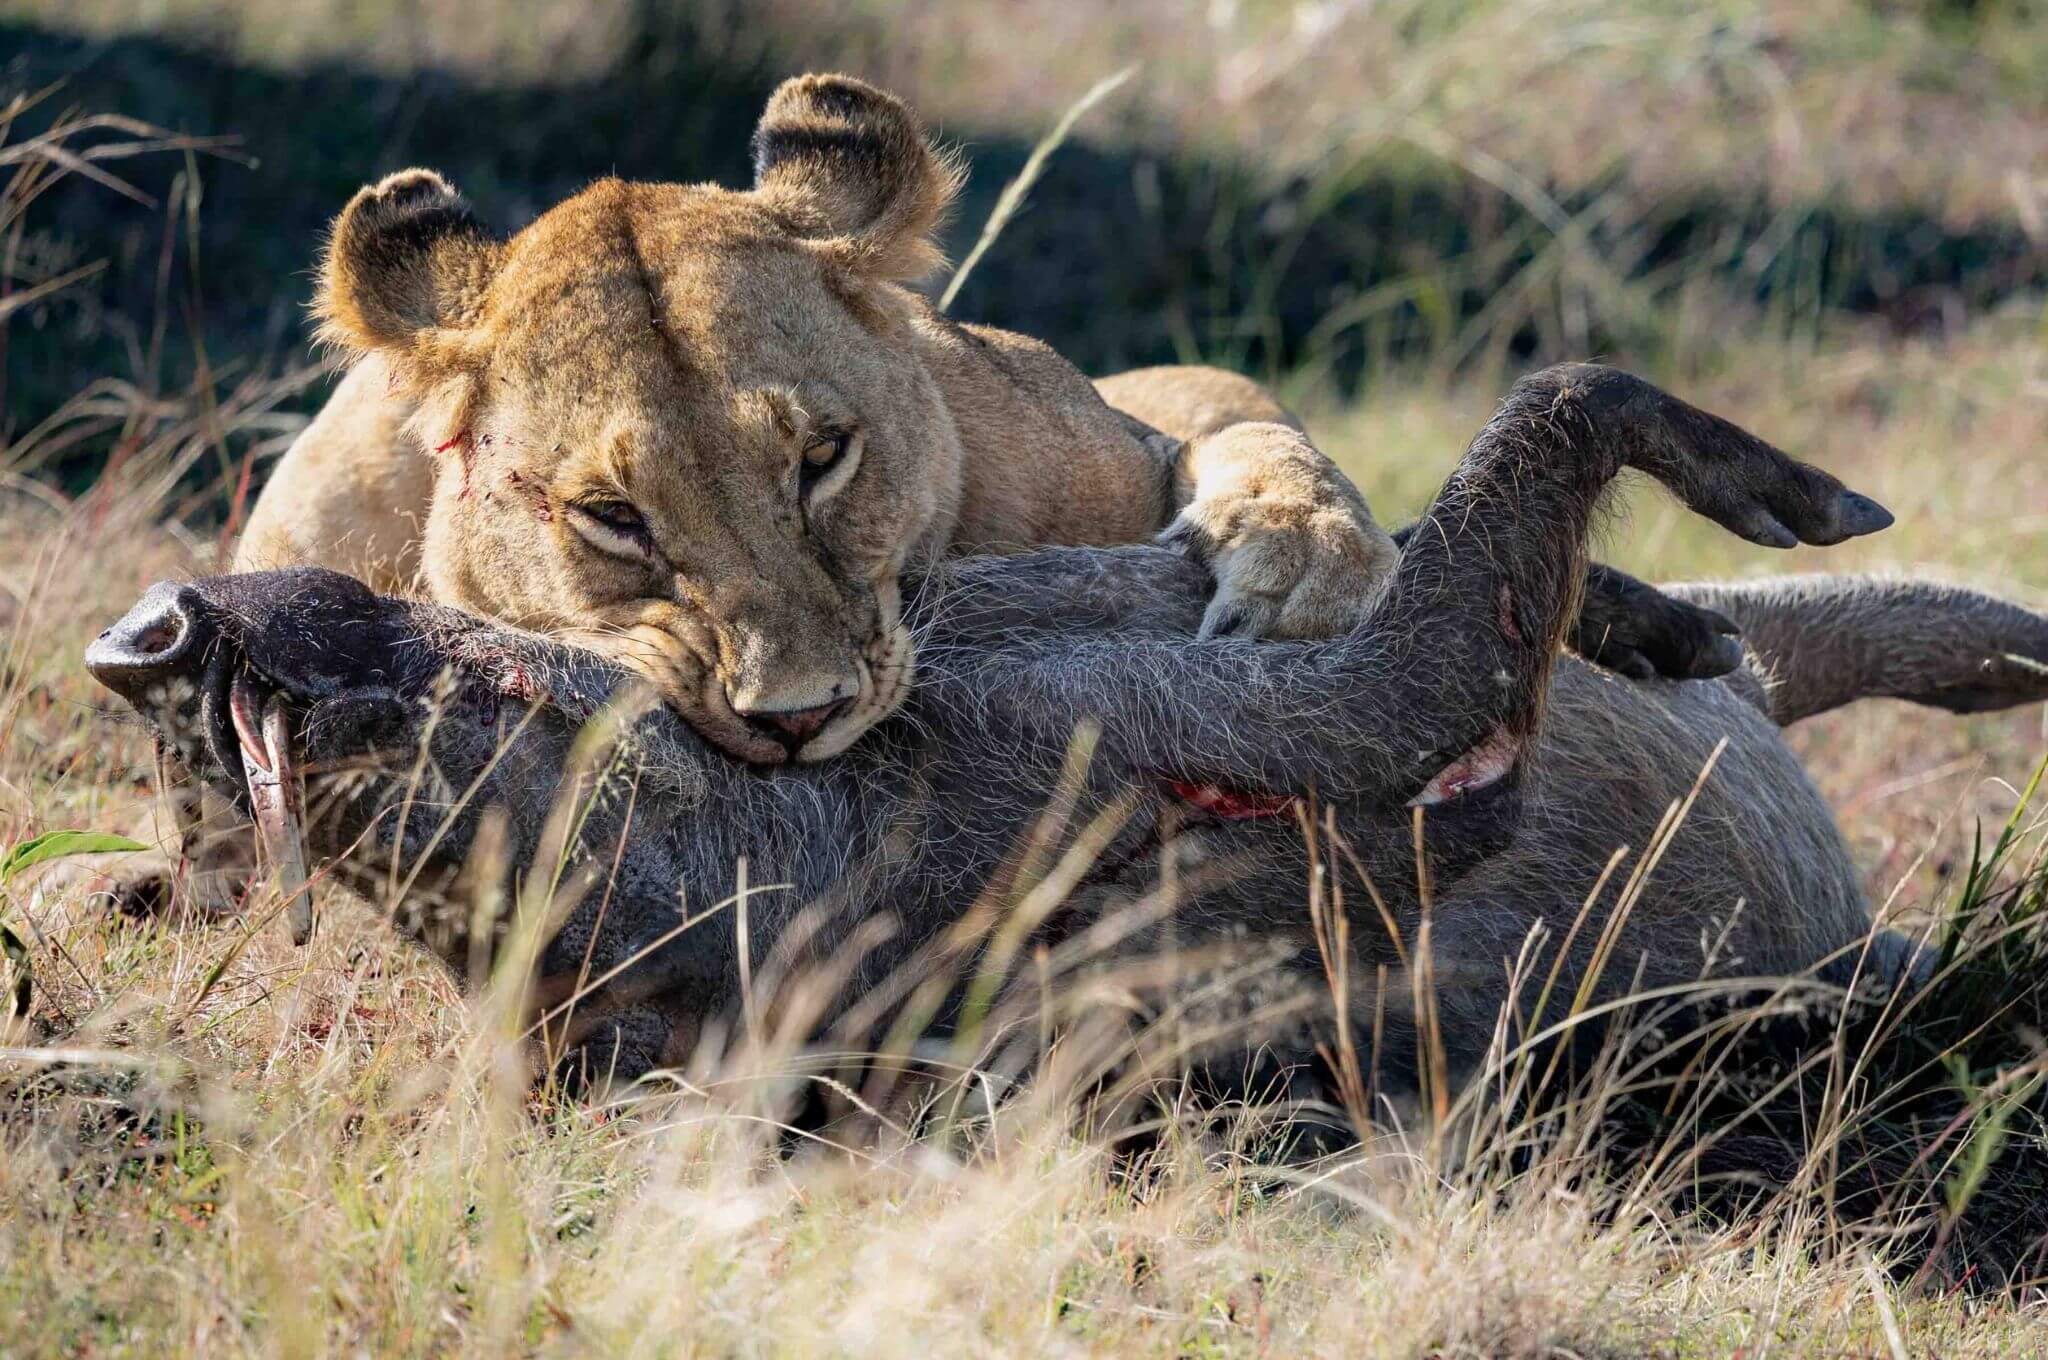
(1481, 767)
(274, 798)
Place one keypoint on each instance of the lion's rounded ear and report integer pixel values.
(851, 163)
(407, 258)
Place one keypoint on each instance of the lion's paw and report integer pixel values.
(1294, 548)
(1285, 567)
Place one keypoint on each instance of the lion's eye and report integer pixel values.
(617, 516)
(614, 526)
(826, 449)
(828, 461)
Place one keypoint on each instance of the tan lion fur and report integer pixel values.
(1188, 401)
(678, 349)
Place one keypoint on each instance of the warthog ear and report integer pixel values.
(407, 260)
(853, 165)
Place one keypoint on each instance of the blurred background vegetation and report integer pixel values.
(1337, 194)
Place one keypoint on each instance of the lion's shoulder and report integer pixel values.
(1188, 401)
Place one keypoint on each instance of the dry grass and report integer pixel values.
(212, 1143)
(333, 1150)
(328, 1151)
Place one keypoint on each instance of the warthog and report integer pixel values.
(1445, 762)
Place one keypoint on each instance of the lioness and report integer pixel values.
(706, 432)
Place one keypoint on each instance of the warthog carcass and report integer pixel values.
(1451, 764)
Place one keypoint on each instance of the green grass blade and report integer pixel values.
(59, 844)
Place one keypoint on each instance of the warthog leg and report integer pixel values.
(1818, 642)
(1453, 665)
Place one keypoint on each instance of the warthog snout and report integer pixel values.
(165, 635)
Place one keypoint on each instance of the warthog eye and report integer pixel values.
(613, 526)
(828, 463)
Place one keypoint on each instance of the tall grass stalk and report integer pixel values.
(1012, 199)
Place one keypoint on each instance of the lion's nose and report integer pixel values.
(163, 634)
(792, 727)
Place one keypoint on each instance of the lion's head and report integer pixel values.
(683, 424)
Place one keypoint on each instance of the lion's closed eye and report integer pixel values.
(613, 526)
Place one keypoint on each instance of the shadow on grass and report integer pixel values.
(1120, 258)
